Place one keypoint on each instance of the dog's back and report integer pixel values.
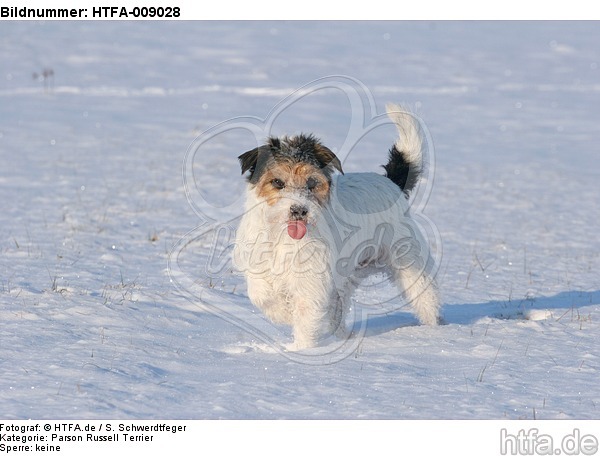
(366, 193)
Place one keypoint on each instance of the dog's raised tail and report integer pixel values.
(405, 163)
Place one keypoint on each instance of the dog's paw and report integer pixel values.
(299, 346)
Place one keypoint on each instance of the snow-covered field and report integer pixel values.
(111, 305)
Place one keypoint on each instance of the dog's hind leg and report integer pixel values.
(419, 289)
(336, 317)
(340, 306)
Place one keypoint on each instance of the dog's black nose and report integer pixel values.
(298, 212)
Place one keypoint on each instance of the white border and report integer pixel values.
(318, 437)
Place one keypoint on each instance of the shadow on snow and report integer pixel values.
(465, 314)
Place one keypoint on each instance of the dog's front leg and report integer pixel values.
(273, 304)
(308, 317)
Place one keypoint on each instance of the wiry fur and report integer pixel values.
(297, 149)
(356, 224)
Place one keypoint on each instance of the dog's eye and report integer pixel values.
(311, 183)
(278, 184)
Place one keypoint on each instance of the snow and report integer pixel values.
(116, 304)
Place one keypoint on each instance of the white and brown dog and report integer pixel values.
(309, 235)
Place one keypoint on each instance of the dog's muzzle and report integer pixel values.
(298, 212)
(296, 226)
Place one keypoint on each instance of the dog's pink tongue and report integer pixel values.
(297, 229)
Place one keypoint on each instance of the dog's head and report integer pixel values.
(293, 173)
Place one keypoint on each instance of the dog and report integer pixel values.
(311, 233)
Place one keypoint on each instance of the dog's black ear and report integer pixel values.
(248, 160)
(255, 161)
(327, 158)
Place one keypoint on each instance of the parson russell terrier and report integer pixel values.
(310, 234)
